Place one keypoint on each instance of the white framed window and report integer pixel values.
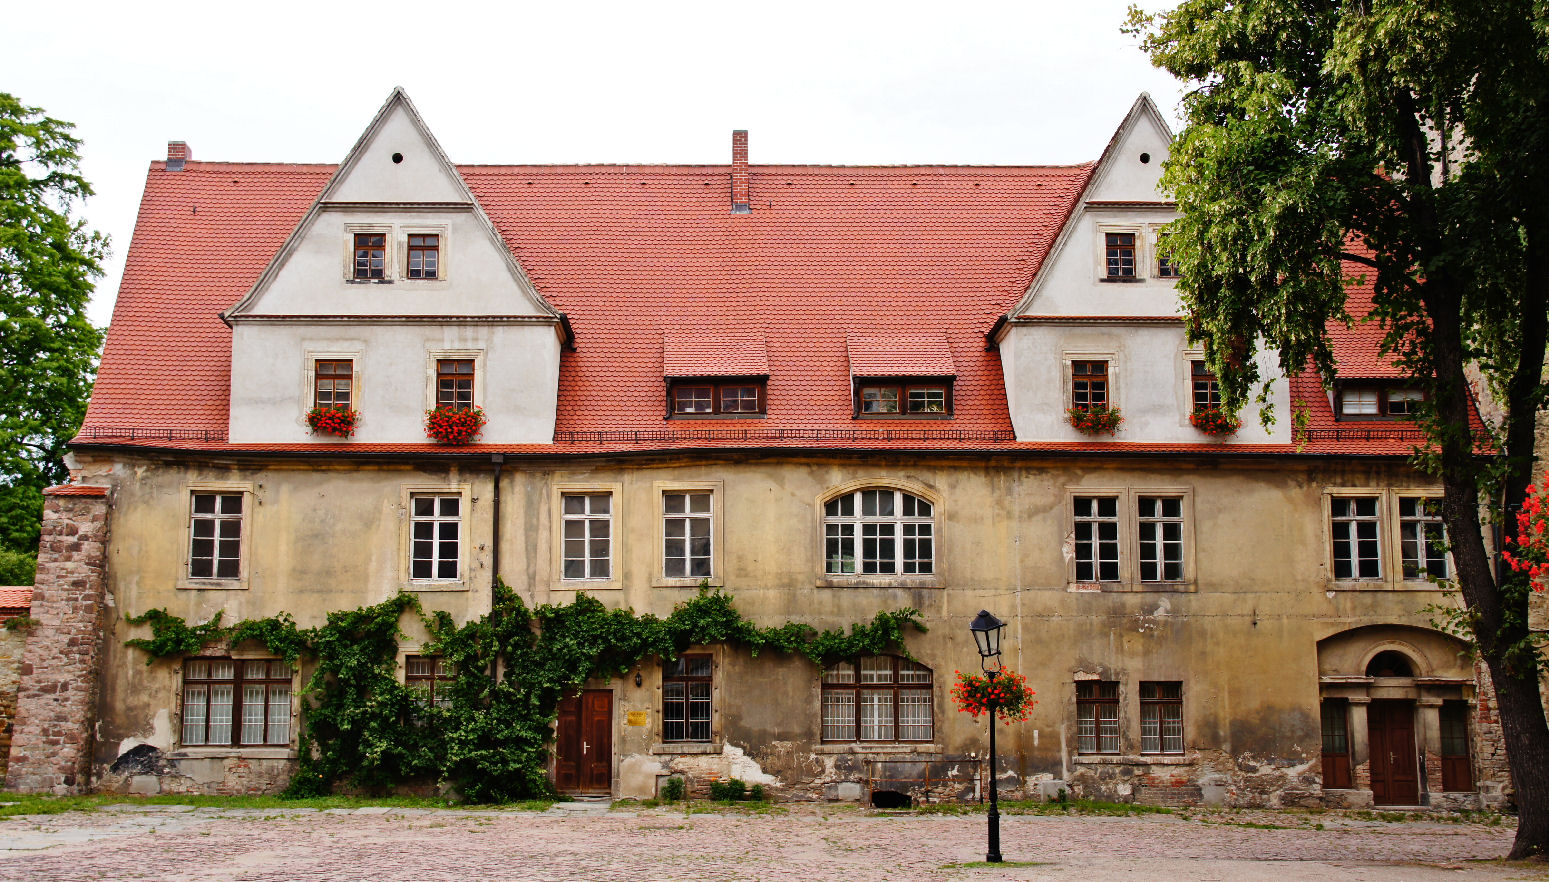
(1422, 538)
(436, 540)
(587, 536)
(218, 521)
(1097, 543)
(368, 253)
(690, 533)
(879, 531)
(1160, 531)
(1355, 525)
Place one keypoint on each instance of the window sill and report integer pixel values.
(1120, 279)
(715, 582)
(864, 748)
(435, 586)
(717, 416)
(685, 747)
(1131, 588)
(368, 281)
(902, 416)
(278, 753)
(1154, 759)
(213, 585)
(587, 585)
(879, 582)
(1383, 585)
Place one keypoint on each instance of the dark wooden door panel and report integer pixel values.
(567, 745)
(583, 743)
(1394, 770)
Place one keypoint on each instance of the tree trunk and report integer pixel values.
(1498, 612)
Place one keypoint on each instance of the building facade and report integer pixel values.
(829, 390)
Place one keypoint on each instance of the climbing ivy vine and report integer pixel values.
(512, 667)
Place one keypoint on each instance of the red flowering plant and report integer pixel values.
(1096, 419)
(974, 694)
(1214, 421)
(333, 421)
(450, 425)
(1532, 539)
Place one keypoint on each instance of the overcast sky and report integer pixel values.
(1005, 83)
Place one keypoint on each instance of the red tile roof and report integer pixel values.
(75, 490)
(900, 356)
(693, 355)
(642, 258)
(16, 597)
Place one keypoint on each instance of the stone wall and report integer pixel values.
(56, 706)
(12, 642)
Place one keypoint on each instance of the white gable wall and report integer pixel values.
(374, 177)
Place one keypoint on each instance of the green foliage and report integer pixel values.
(730, 790)
(17, 567)
(673, 789)
(512, 667)
(20, 623)
(48, 349)
(757, 794)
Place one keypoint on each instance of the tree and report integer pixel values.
(48, 348)
(1402, 141)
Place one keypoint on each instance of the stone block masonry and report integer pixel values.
(56, 704)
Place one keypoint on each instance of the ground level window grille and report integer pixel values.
(686, 683)
(1097, 716)
(236, 702)
(878, 698)
(1161, 718)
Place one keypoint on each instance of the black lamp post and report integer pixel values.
(986, 630)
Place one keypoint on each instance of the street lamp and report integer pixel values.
(986, 630)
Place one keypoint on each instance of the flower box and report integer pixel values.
(1006, 694)
(338, 421)
(1097, 420)
(1214, 421)
(449, 425)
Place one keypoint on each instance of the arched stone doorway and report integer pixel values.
(1398, 712)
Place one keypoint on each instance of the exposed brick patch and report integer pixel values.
(56, 704)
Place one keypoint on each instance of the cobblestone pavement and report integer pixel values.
(809, 844)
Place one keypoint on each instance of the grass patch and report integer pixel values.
(986, 865)
(37, 804)
(742, 807)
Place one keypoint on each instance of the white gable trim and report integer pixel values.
(398, 99)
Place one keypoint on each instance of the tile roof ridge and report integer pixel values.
(199, 164)
(719, 167)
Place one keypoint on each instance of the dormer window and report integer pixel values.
(424, 255)
(718, 396)
(1374, 402)
(370, 256)
(920, 397)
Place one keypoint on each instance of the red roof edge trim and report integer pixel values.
(75, 490)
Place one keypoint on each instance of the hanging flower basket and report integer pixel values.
(332, 421)
(1532, 540)
(452, 426)
(974, 694)
(1097, 420)
(1214, 421)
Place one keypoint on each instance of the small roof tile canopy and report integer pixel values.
(15, 600)
(900, 357)
(734, 355)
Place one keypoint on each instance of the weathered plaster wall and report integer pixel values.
(12, 643)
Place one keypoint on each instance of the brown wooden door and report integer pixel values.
(1391, 735)
(583, 754)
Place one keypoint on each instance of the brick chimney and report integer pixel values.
(177, 154)
(741, 198)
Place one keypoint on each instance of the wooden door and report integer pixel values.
(1391, 735)
(583, 753)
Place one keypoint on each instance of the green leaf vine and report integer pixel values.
(512, 667)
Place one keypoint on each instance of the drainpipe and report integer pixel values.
(499, 459)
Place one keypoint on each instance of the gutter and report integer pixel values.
(499, 459)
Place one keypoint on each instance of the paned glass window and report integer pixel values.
(454, 383)
(900, 398)
(686, 683)
(1161, 539)
(436, 536)
(1207, 391)
(1088, 384)
(1422, 538)
(1120, 255)
(1360, 402)
(878, 532)
(710, 398)
(1097, 538)
(1357, 546)
(236, 702)
(878, 698)
(1097, 716)
(1404, 402)
(424, 255)
(429, 679)
(1336, 743)
(333, 382)
(1161, 718)
(686, 534)
(1166, 267)
(215, 536)
(370, 255)
(588, 535)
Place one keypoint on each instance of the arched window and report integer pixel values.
(879, 532)
(878, 698)
(1390, 663)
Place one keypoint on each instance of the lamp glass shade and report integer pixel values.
(986, 630)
